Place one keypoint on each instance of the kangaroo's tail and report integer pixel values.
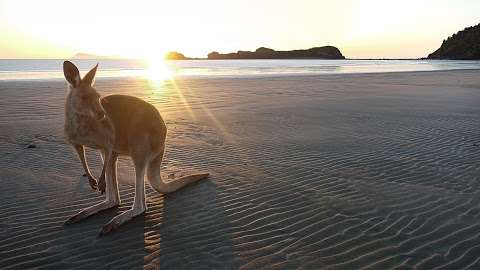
(157, 183)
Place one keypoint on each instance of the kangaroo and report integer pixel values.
(84, 113)
(116, 125)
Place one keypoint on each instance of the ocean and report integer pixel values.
(35, 69)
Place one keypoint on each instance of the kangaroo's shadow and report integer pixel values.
(123, 248)
(187, 229)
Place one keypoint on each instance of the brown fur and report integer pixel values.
(117, 125)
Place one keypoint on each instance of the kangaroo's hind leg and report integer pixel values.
(112, 193)
(106, 154)
(139, 204)
(112, 196)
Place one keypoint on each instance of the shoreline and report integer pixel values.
(252, 76)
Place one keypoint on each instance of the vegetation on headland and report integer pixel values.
(464, 45)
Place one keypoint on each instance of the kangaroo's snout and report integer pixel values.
(99, 115)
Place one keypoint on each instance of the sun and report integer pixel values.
(157, 70)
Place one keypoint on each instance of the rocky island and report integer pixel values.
(464, 45)
(325, 52)
(175, 56)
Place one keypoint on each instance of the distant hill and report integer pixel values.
(464, 45)
(91, 56)
(326, 52)
(168, 56)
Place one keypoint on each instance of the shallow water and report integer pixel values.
(11, 69)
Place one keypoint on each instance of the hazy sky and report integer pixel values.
(360, 29)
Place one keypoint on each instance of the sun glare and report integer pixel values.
(157, 71)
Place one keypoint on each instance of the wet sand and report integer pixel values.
(360, 171)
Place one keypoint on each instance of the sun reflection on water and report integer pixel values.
(158, 72)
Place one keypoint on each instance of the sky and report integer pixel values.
(143, 29)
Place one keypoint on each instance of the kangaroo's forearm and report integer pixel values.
(81, 155)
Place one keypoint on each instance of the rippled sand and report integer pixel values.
(366, 171)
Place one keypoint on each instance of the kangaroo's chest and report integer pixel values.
(82, 130)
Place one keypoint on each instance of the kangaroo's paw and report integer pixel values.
(90, 211)
(93, 182)
(118, 221)
(101, 184)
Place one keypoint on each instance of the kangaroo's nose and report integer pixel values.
(100, 115)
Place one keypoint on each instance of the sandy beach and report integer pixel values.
(341, 171)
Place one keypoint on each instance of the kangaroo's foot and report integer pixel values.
(90, 211)
(119, 220)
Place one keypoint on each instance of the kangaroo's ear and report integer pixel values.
(71, 73)
(90, 76)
